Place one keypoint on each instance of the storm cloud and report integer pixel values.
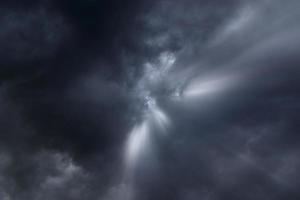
(125, 100)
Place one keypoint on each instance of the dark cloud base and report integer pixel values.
(73, 77)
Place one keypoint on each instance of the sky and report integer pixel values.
(149, 100)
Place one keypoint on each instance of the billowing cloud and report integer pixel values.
(110, 100)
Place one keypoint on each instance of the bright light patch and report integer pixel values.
(157, 114)
(160, 118)
(167, 60)
(202, 88)
(137, 141)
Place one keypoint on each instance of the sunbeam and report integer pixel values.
(137, 142)
(200, 88)
(157, 115)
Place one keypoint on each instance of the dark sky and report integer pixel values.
(149, 100)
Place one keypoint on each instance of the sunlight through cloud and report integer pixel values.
(137, 141)
(199, 88)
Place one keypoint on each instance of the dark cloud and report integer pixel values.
(82, 83)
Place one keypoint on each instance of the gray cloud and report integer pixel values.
(78, 76)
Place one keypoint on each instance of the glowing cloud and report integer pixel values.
(139, 138)
(137, 141)
(200, 88)
(156, 114)
(160, 117)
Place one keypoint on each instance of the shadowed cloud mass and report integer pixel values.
(143, 100)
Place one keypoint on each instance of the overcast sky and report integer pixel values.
(149, 100)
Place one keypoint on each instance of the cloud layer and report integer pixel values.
(215, 84)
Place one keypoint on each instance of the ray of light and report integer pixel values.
(199, 88)
(157, 115)
(160, 118)
(248, 159)
(137, 142)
